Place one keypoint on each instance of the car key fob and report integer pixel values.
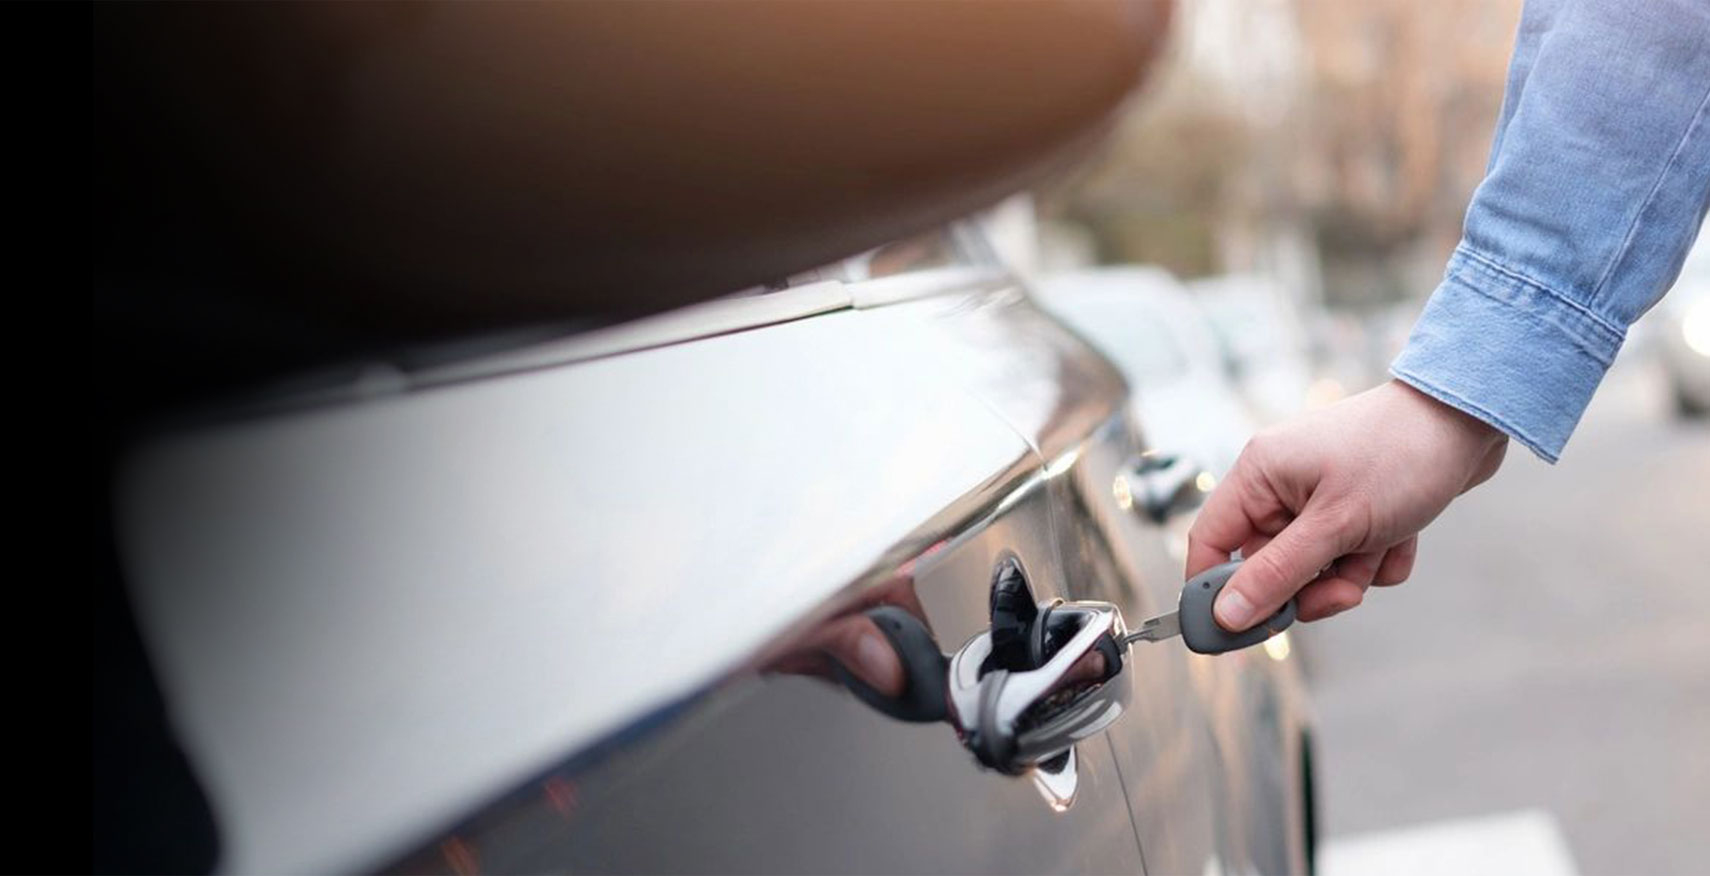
(1200, 630)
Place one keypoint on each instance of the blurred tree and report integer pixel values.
(1399, 100)
(1360, 126)
(1159, 195)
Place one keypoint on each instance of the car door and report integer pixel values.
(1236, 724)
(1098, 469)
(1163, 748)
(550, 609)
(781, 770)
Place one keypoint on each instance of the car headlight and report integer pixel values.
(1696, 327)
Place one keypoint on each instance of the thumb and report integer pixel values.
(1287, 563)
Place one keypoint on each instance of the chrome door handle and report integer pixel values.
(1017, 719)
(1020, 695)
(1163, 485)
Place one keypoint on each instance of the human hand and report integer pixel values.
(1331, 502)
(851, 639)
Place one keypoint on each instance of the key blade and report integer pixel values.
(1157, 629)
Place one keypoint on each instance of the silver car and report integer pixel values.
(445, 521)
(581, 605)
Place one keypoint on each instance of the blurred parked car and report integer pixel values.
(1146, 323)
(1685, 334)
(1263, 339)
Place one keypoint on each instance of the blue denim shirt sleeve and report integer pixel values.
(1598, 182)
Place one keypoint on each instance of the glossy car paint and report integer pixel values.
(549, 617)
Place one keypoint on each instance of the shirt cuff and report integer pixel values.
(1508, 351)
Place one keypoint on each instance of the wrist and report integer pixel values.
(1463, 426)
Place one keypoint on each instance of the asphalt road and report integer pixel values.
(1551, 652)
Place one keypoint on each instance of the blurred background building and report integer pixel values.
(1536, 698)
(1328, 146)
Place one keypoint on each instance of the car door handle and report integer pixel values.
(1021, 694)
(1163, 485)
(1017, 719)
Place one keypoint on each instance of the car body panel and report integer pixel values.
(541, 618)
(779, 770)
(327, 593)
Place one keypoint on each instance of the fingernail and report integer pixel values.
(1233, 610)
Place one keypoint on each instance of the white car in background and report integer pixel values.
(1685, 334)
(1144, 320)
(1264, 341)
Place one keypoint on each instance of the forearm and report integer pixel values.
(1598, 182)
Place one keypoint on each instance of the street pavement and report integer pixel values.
(1550, 657)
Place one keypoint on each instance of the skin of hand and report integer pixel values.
(852, 639)
(1331, 502)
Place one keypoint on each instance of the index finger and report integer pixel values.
(1222, 527)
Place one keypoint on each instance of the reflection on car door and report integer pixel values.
(784, 772)
(528, 618)
(1162, 748)
(1076, 422)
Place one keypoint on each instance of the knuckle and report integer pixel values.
(1369, 565)
(1269, 439)
(1346, 602)
(1339, 517)
(1391, 574)
(1257, 450)
(1348, 523)
(1273, 572)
